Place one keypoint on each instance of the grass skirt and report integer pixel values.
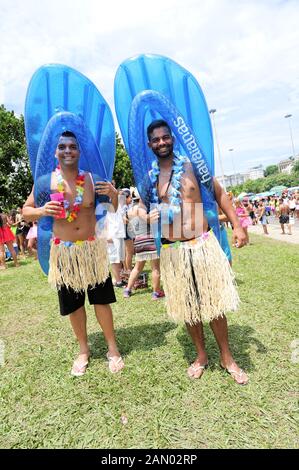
(198, 281)
(78, 265)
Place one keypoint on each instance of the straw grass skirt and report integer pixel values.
(78, 265)
(198, 281)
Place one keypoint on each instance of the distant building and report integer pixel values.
(286, 166)
(240, 178)
(233, 180)
(256, 172)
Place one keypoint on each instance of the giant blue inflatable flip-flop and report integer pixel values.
(149, 87)
(58, 99)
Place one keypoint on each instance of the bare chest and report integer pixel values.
(70, 191)
(189, 190)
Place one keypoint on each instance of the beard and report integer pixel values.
(164, 152)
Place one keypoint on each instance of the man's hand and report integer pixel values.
(239, 237)
(52, 209)
(105, 188)
(153, 216)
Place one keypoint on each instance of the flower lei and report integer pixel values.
(175, 195)
(80, 179)
(68, 244)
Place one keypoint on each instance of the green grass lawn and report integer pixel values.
(42, 406)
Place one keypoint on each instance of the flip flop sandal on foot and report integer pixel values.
(79, 369)
(193, 370)
(237, 375)
(115, 363)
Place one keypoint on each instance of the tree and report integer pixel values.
(271, 170)
(15, 176)
(282, 179)
(295, 169)
(123, 174)
(253, 186)
(237, 189)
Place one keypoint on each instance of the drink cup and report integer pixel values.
(58, 197)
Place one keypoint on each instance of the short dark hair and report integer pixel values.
(155, 125)
(126, 192)
(68, 134)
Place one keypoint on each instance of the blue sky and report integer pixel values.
(244, 53)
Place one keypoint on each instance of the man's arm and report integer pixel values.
(225, 204)
(150, 217)
(32, 213)
(107, 189)
(222, 218)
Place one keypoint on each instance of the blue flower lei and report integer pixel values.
(175, 199)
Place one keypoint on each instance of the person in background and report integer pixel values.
(272, 205)
(145, 250)
(243, 215)
(32, 240)
(251, 211)
(261, 213)
(292, 205)
(129, 246)
(6, 238)
(284, 216)
(115, 234)
(21, 230)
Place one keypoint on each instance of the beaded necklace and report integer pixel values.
(80, 180)
(175, 199)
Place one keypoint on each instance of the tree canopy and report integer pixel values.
(295, 170)
(271, 170)
(265, 184)
(15, 176)
(123, 174)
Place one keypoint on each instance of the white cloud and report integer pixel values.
(243, 53)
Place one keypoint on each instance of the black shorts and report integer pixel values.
(101, 294)
(22, 230)
(284, 219)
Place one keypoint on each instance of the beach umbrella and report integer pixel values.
(277, 189)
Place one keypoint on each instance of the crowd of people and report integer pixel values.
(253, 211)
(129, 238)
(17, 237)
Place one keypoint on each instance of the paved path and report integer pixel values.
(275, 232)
